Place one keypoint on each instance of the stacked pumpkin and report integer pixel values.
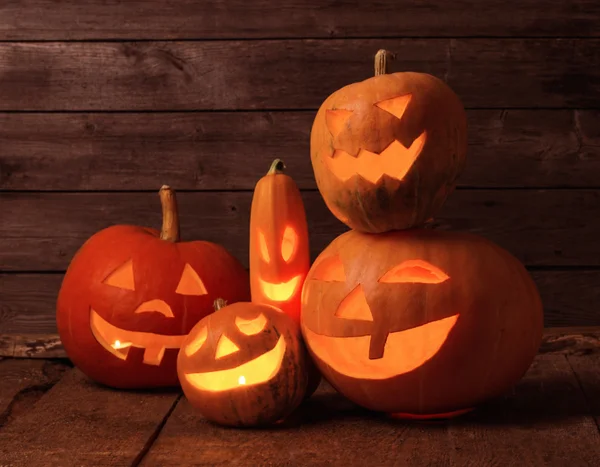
(400, 318)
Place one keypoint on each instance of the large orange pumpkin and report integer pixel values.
(131, 295)
(387, 151)
(420, 322)
(279, 252)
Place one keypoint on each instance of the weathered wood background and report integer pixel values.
(103, 102)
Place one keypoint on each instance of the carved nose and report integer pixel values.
(157, 305)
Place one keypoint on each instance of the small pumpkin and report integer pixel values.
(387, 151)
(244, 365)
(420, 323)
(131, 294)
(279, 251)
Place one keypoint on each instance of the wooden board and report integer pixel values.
(231, 150)
(22, 383)
(288, 74)
(78, 422)
(586, 366)
(544, 422)
(96, 19)
(42, 231)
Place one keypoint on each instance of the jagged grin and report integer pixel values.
(118, 341)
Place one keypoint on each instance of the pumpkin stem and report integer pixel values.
(219, 303)
(381, 61)
(276, 167)
(170, 222)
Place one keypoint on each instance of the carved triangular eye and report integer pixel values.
(330, 270)
(336, 120)
(198, 342)
(190, 283)
(415, 271)
(225, 347)
(122, 277)
(396, 105)
(355, 306)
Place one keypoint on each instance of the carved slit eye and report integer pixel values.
(330, 270)
(289, 243)
(122, 277)
(250, 327)
(263, 247)
(198, 342)
(336, 120)
(190, 283)
(225, 347)
(396, 105)
(354, 306)
(415, 271)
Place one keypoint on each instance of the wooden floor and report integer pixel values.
(50, 414)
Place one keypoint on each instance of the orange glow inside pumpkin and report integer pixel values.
(190, 283)
(330, 269)
(404, 351)
(415, 271)
(289, 243)
(122, 277)
(355, 306)
(256, 371)
(394, 161)
(251, 327)
(282, 291)
(119, 341)
(225, 347)
(263, 247)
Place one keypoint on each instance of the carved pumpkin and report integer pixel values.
(420, 323)
(387, 151)
(244, 365)
(131, 295)
(279, 253)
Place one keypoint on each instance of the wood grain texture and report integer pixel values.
(28, 318)
(232, 150)
(587, 370)
(22, 382)
(98, 19)
(78, 422)
(543, 422)
(42, 231)
(289, 74)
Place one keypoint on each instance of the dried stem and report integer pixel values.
(170, 223)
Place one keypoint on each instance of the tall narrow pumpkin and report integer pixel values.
(279, 253)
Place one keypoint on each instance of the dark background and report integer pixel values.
(102, 102)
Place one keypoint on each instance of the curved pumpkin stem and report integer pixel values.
(277, 167)
(381, 61)
(170, 222)
(219, 303)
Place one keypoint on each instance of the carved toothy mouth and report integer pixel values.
(118, 341)
(404, 350)
(280, 292)
(394, 161)
(256, 371)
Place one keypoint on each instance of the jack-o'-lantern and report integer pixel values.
(279, 253)
(387, 151)
(420, 323)
(244, 365)
(131, 295)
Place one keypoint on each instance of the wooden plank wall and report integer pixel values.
(103, 102)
